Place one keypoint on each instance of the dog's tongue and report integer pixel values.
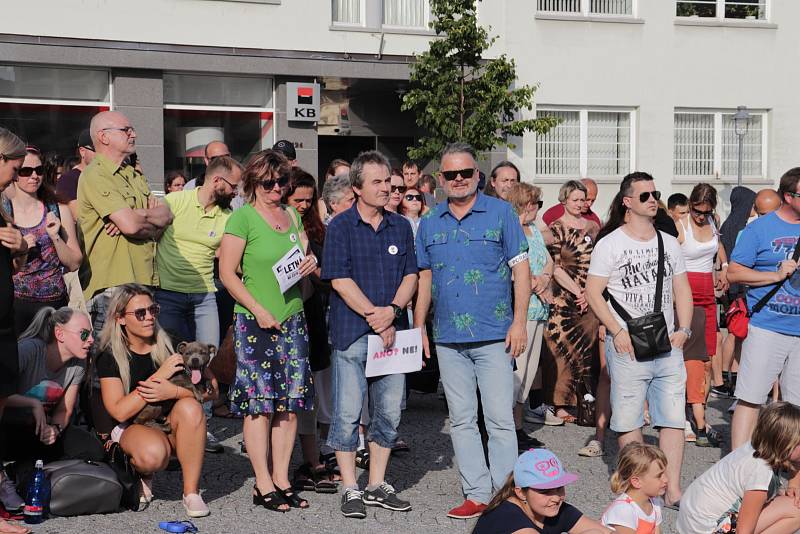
(196, 377)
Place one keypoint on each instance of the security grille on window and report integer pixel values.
(723, 9)
(586, 7)
(586, 143)
(706, 145)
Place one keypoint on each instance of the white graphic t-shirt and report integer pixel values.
(631, 266)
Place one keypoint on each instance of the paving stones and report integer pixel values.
(426, 476)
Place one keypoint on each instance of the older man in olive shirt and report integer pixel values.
(119, 218)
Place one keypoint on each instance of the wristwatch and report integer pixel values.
(398, 311)
(687, 331)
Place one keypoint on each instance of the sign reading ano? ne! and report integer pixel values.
(302, 101)
(405, 356)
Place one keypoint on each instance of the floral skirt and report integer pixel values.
(272, 369)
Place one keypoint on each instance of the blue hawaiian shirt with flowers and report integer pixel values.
(469, 262)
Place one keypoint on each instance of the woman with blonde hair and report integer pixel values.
(571, 335)
(273, 375)
(13, 254)
(134, 367)
(526, 199)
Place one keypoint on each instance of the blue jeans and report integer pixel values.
(350, 385)
(189, 316)
(465, 368)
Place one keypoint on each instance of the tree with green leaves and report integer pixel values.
(473, 277)
(457, 95)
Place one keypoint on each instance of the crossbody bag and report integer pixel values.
(649, 334)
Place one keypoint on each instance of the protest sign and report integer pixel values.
(405, 356)
(287, 270)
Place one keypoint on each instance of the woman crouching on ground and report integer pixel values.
(134, 367)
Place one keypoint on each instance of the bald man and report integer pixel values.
(591, 195)
(214, 149)
(767, 201)
(119, 218)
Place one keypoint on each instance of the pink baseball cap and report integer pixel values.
(541, 469)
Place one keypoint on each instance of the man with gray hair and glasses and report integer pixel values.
(473, 261)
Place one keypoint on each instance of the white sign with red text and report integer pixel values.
(405, 356)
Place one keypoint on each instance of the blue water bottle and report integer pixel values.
(38, 495)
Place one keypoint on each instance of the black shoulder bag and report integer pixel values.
(649, 334)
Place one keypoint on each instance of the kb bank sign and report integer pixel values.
(302, 101)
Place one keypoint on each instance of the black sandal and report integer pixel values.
(304, 479)
(322, 481)
(271, 501)
(293, 499)
(362, 459)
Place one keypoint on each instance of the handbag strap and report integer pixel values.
(659, 285)
(771, 293)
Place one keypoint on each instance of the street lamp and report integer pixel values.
(741, 123)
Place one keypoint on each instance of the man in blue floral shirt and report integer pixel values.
(468, 250)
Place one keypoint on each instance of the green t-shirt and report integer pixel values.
(265, 247)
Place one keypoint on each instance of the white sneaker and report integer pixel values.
(543, 415)
(9, 496)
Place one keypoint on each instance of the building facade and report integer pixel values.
(639, 84)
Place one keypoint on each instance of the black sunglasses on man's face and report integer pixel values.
(452, 175)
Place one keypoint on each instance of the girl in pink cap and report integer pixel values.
(533, 501)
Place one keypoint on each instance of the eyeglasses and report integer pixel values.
(212, 158)
(235, 187)
(141, 313)
(703, 213)
(269, 185)
(452, 175)
(792, 194)
(128, 130)
(644, 197)
(400, 188)
(28, 171)
(538, 203)
(87, 147)
(411, 198)
(83, 333)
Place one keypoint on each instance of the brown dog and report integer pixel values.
(196, 357)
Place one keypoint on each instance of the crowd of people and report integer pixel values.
(553, 317)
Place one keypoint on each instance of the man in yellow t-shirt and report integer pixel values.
(119, 218)
(186, 252)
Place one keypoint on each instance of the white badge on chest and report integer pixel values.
(293, 238)
(392, 250)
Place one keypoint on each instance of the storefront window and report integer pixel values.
(203, 108)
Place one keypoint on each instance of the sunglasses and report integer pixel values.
(792, 194)
(400, 188)
(28, 171)
(411, 198)
(141, 313)
(452, 175)
(644, 197)
(269, 185)
(704, 213)
(235, 187)
(83, 333)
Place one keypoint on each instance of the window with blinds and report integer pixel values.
(347, 12)
(723, 9)
(586, 143)
(406, 13)
(706, 145)
(586, 7)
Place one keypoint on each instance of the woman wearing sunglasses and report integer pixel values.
(273, 375)
(412, 207)
(398, 189)
(134, 366)
(49, 230)
(52, 365)
(571, 334)
(700, 243)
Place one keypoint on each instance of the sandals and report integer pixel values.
(400, 445)
(293, 499)
(271, 501)
(317, 479)
(362, 459)
(593, 449)
(331, 467)
(568, 418)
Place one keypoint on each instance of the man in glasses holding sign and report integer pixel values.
(468, 249)
(369, 259)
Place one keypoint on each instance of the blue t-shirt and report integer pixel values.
(469, 263)
(762, 244)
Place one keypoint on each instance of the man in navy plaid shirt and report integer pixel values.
(369, 259)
